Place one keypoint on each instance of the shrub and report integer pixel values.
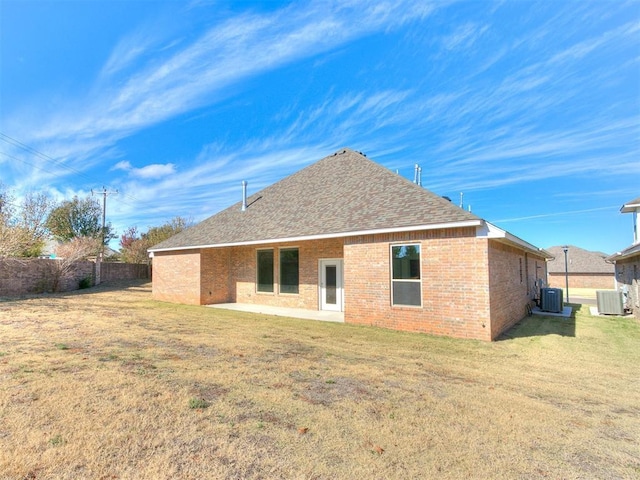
(56, 441)
(198, 403)
(85, 283)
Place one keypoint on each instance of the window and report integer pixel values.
(265, 271)
(520, 270)
(406, 285)
(289, 278)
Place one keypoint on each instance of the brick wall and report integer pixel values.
(227, 275)
(231, 274)
(471, 287)
(455, 298)
(176, 276)
(36, 275)
(123, 271)
(215, 277)
(582, 280)
(512, 279)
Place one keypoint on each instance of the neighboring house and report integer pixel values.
(627, 262)
(585, 269)
(349, 235)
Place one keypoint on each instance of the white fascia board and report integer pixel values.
(630, 207)
(436, 226)
(632, 251)
(489, 230)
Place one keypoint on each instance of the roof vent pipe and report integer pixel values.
(244, 195)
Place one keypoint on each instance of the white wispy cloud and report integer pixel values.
(126, 52)
(213, 184)
(474, 133)
(239, 48)
(555, 214)
(151, 77)
(464, 36)
(153, 171)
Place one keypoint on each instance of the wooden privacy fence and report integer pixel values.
(38, 275)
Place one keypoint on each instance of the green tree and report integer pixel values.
(78, 218)
(133, 246)
(159, 234)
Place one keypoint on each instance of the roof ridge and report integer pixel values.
(343, 192)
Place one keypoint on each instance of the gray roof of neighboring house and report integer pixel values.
(579, 261)
(631, 206)
(340, 194)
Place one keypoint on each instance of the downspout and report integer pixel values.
(615, 272)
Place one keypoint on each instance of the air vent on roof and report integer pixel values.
(417, 176)
(244, 195)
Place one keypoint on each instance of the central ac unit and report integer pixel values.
(551, 300)
(610, 302)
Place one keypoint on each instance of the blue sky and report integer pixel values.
(531, 109)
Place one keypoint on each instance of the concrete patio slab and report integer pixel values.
(283, 312)
(566, 312)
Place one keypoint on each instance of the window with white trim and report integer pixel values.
(406, 281)
(264, 282)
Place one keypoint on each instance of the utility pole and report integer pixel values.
(104, 194)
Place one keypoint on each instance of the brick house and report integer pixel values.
(585, 269)
(627, 262)
(349, 235)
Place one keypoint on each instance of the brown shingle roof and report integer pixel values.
(579, 261)
(342, 193)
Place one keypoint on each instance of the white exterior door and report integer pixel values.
(331, 287)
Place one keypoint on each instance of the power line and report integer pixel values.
(16, 143)
(28, 163)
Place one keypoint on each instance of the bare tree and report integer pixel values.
(22, 229)
(34, 212)
(68, 254)
(10, 240)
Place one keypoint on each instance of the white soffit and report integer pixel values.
(489, 230)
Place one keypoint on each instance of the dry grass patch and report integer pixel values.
(106, 383)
